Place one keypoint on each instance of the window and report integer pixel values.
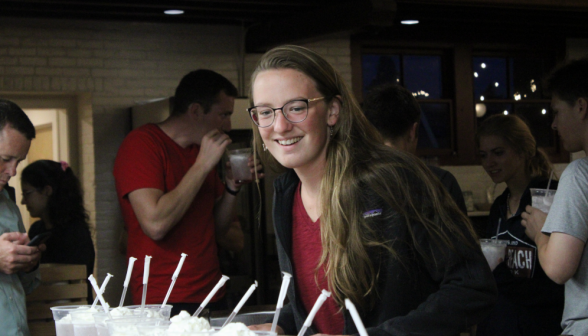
(423, 75)
(458, 86)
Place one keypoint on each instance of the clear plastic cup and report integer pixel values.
(153, 327)
(62, 318)
(83, 321)
(542, 198)
(124, 326)
(494, 250)
(239, 159)
(153, 311)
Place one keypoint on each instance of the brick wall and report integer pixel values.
(117, 65)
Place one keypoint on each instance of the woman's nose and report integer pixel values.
(281, 124)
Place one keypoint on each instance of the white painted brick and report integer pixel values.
(131, 73)
(104, 53)
(68, 43)
(8, 60)
(22, 51)
(131, 54)
(79, 53)
(75, 72)
(1, 71)
(104, 73)
(41, 71)
(62, 62)
(3, 51)
(91, 44)
(20, 70)
(28, 83)
(35, 61)
(51, 52)
(9, 41)
(117, 63)
(90, 62)
(34, 42)
(41, 83)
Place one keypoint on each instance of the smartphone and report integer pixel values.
(39, 239)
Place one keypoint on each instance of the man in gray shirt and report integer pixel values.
(561, 235)
(18, 262)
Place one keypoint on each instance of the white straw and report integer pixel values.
(317, 305)
(146, 269)
(241, 303)
(127, 280)
(102, 288)
(355, 315)
(100, 297)
(174, 278)
(280, 304)
(220, 283)
(549, 182)
(498, 228)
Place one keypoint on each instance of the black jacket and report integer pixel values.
(419, 297)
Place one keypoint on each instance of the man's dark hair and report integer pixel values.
(11, 114)
(392, 109)
(569, 81)
(202, 87)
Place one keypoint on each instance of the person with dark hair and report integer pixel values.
(396, 114)
(561, 235)
(171, 196)
(52, 192)
(18, 262)
(367, 222)
(529, 303)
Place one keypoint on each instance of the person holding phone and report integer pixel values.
(52, 192)
(18, 262)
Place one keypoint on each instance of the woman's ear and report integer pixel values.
(582, 108)
(47, 190)
(334, 110)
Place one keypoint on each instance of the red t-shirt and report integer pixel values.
(148, 158)
(306, 253)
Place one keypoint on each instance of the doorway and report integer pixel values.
(51, 126)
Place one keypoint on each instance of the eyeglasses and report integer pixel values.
(294, 111)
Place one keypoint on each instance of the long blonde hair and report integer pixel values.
(517, 134)
(357, 161)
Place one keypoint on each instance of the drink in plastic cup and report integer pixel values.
(62, 318)
(239, 159)
(83, 322)
(494, 250)
(124, 326)
(153, 328)
(542, 198)
(101, 317)
(153, 311)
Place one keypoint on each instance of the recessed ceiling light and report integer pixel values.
(409, 22)
(174, 12)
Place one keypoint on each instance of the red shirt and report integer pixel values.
(148, 158)
(306, 253)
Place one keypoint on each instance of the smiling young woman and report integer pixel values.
(357, 218)
(529, 301)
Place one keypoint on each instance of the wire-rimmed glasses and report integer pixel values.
(294, 111)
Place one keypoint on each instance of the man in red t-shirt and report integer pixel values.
(171, 196)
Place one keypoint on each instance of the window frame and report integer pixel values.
(458, 86)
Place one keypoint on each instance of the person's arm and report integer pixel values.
(157, 212)
(559, 254)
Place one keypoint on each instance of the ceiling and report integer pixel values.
(271, 22)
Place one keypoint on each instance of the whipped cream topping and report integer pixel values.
(235, 329)
(85, 315)
(184, 322)
(120, 311)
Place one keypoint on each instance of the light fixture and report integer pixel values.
(482, 98)
(517, 96)
(409, 22)
(480, 110)
(496, 84)
(475, 74)
(505, 112)
(483, 65)
(544, 111)
(174, 12)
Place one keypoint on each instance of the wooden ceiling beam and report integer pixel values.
(346, 17)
